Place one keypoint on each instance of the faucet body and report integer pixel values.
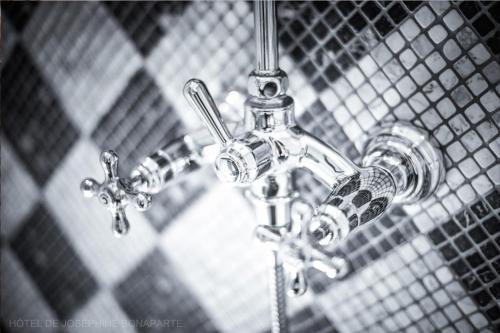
(261, 153)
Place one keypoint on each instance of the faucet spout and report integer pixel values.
(323, 161)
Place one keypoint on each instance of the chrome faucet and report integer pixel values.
(400, 165)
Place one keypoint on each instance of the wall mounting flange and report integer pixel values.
(411, 156)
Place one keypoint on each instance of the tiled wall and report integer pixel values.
(78, 78)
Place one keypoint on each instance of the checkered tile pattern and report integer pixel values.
(78, 78)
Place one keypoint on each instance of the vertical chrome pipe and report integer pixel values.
(266, 37)
(272, 198)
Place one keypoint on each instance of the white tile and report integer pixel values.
(213, 249)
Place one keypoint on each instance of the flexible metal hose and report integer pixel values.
(279, 321)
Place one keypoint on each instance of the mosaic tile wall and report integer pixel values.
(78, 78)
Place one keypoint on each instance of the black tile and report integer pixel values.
(361, 238)
(489, 250)
(482, 298)
(495, 11)
(371, 9)
(151, 122)
(385, 3)
(496, 265)
(374, 231)
(286, 39)
(494, 313)
(477, 234)
(449, 253)
(297, 54)
(344, 61)
(332, 73)
(386, 221)
(333, 44)
(494, 199)
(475, 260)
(471, 282)
(18, 12)
(332, 18)
(483, 25)
(486, 274)
(308, 42)
(460, 267)
(463, 243)
(398, 237)
(297, 27)
(469, 8)
(309, 69)
(320, 30)
(492, 225)
(451, 228)
(358, 22)
(495, 290)
(32, 117)
(317, 108)
(412, 5)
(383, 26)
(397, 13)
(152, 291)
(345, 7)
(494, 43)
(480, 209)
(437, 236)
(319, 84)
(308, 15)
(141, 20)
(385, 245)
(321, 57)
(373, 254)
(345, 34)
(321, 6)
(54, 266)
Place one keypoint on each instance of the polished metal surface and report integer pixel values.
(399, 165)
(266, 37)
(411, 157)
(202, 102)
(272, 198)
(115, 193)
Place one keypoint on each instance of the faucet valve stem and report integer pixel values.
(240, 161)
